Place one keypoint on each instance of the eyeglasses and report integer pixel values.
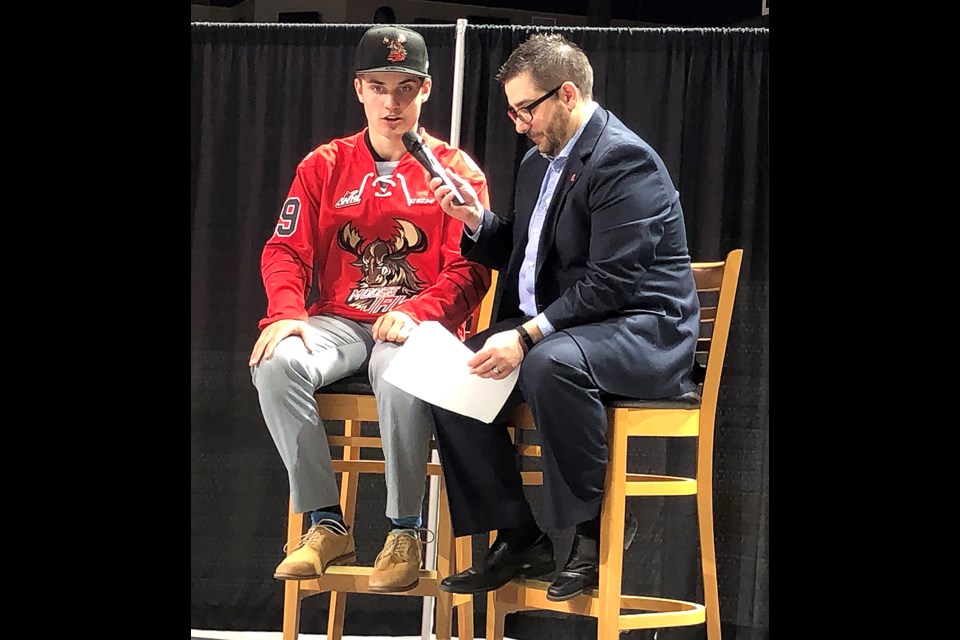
(525, 114)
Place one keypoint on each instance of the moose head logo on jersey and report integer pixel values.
(387, 279)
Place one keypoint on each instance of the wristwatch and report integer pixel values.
(527, 340)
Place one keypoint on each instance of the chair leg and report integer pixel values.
(496, 617)
(453, 555)
(708, 558)
(463, 556)
(443, 605)
(495, 614)
(431, 549)
(348, 503)
(348, 480)
(338, 604)
(291, 588)
(612, 516)
(338, 600)
(443, 616)
(291, 609)
(465, 620)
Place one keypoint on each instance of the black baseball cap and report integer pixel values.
(389, 48)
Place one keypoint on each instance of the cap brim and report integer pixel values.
(395, 69)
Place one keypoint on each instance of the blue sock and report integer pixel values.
(410, 522)
(326, 514)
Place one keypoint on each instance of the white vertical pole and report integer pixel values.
(430, 560)
(457, 107)
(433, 507)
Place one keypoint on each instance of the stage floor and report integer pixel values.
(201, 634)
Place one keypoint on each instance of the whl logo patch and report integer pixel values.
(348, 199)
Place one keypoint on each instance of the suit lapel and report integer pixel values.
(527, 196)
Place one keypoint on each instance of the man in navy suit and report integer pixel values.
(598, 298)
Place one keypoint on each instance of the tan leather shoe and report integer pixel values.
(326, 543)
(397, 567)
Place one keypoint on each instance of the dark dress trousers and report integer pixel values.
(613, 277)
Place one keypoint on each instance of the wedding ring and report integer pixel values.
(496, 370)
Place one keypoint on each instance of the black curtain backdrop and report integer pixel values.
(262, 96)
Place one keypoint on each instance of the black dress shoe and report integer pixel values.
(582, 570)
(502, 564)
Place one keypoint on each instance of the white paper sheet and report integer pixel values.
(432, 365)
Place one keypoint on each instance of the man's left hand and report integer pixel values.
(501, 354)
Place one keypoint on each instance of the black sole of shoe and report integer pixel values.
(470, 592)
(342, 561)
(409, 587)
(552, 598)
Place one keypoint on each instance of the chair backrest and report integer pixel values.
(717, 288)
(484, 315)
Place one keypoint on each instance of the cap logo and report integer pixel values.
(397, 52)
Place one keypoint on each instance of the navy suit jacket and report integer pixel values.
(613, 269)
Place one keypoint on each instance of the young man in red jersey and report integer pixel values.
(360, 217)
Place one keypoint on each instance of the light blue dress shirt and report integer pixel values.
(528, 268)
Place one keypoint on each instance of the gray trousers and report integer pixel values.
(286, 383)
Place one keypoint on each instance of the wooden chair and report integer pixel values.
(690, 417)
(351, 400)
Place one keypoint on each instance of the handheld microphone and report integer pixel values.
(414, 144)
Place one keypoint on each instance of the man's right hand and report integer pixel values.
(470, 213)
(272, 334)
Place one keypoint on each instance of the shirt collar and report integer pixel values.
(588, 111)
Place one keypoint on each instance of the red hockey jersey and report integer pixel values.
(377, 244)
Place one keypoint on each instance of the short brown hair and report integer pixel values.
(551, 60)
